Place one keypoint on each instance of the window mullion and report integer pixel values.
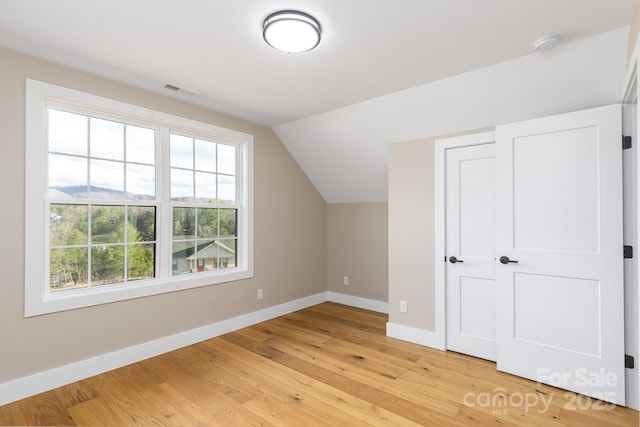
(89, 245)
(241, 245)
(164, 221)
(125, 272)
(47, 252)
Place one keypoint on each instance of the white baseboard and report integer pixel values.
(353, 301)
(415, 335)
(37, 383)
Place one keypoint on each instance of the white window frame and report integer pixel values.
(38, 298)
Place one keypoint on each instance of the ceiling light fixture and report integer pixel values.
(291, 31)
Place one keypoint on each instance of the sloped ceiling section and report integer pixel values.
(344, 151)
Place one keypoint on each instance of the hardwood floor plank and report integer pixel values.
(250, 362)
(45, 409)
(124, 402)
(175, 371)
(229, 412)
(349, 368)
(367, 317)
(95, 412)
(332, 326)
(255, 333)
(75, 393)
(279, 413)
(175, 408)
(474, 417)
(327, 365)
(135, 376)
(408, 409)
(274, 326)
(11, 414)
(363, 410)
(593, 412)
(307, 406)
(215, 376)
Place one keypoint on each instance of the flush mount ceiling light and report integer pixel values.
(291, 31)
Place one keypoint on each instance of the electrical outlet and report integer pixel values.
(403, 306)
(260, 294)
(345, 280)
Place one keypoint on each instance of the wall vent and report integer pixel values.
(179, 89)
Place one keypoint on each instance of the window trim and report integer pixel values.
(37, 299)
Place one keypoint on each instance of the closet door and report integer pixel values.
(560, 306)
(471, 248)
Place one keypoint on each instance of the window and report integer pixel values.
(203, 193)
(124, 202)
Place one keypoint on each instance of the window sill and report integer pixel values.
(73, 299)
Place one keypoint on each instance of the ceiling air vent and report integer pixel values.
(179, 89)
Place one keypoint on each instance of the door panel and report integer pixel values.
(559, 215)
(470, 231)
(477, 205)
(478, 292)
(544, 217)
(555, 329)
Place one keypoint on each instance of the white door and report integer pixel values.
(470, 248)
(559, 244)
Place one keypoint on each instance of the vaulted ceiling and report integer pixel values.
(384, 71)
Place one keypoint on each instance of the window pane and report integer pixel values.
(205, 156)
(107, 264)
(228, 219)
(205, 187)
(69, 225)
(227, 188)
(143, 223)
(181, 185)
(140, 145)
(107, 224)
(181, 151)
(107, 139)
(67, 132)
(184, 223)
(67, 268)
(106, 178)
(227, 253)
(67, 175)
(207, 223)
(207, 255)
(141, 182)
(141, 261)
(226, 159)
(183, 258)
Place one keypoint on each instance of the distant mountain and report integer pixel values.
(102, 193)
(93, 192)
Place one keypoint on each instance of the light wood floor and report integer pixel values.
(328, 365)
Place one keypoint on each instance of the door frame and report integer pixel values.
(630, 96)
(441, 147)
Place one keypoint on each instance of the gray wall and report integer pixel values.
(357, 247)
(412, 231)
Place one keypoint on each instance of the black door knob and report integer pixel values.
(506, 260)
(453, 260)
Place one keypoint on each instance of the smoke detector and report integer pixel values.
(545, 43)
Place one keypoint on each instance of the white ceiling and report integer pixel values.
(381, 74)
